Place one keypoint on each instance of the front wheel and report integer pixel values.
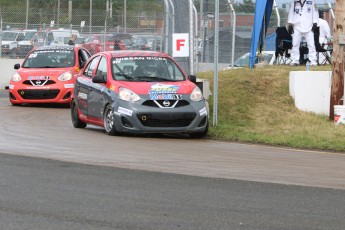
(201, 134)
(77, 123)
(13, 54)
(109, 121)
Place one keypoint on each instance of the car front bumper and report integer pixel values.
(188, 117)
(58, 94)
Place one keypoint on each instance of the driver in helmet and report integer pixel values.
(146, 69)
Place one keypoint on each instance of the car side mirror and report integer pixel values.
(192, 78)
(99, 79)
(16, 66)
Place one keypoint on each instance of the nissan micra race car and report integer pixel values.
(138, 92)
(47, 75)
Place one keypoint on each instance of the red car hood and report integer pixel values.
(181, 87)
(51, 72)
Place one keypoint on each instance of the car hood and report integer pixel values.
(25, 73)
(7, 42)
(24, 42)
(181, 87)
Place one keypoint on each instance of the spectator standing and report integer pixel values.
(302, 21)
(72, 40)
(38, 39)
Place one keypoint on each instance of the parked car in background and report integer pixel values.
(153, 42)
(56, 36)
(24, 46)
(10, 41)
(61, 41)
(140, 43)
(99, 42)
(138, 92)
(124, 38)
(267, 57)
(47, 75)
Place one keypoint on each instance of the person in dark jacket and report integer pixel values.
(117, 45)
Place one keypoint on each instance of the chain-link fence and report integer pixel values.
(177, 17)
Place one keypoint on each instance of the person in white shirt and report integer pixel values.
(325, 34)
(302, 21)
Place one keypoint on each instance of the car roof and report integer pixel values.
(136, 53)
(65, 47)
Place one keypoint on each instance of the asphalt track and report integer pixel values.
(47, 132)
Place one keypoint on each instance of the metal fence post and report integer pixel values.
(166, 24)
(216, 43)
(233, 13)
(191, 38)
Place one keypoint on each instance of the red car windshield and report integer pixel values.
(54, 58)
(149, 69)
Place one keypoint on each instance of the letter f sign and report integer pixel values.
(180, 45)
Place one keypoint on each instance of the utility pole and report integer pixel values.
(337, 88)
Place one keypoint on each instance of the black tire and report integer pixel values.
(200, 135)
(77, 123)
(13, 54)
(109, 122)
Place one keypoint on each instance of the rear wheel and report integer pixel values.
(109, 121)
(77, 123)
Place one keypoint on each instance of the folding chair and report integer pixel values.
(321, 51)
(283, 46)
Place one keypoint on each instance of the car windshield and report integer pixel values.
(29, 35)
(150, 69)
(9, 36)
(109, 38)
(242, 61)
(52, 58)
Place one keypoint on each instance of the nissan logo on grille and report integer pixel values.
(166, 103)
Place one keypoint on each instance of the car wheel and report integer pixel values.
(199, 134)
(14, 104)
(109, 121)
(77, 123)
(13, 54)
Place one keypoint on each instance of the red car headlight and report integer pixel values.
(65, 76)
(16, 77)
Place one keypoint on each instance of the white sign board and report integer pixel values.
(180, 45)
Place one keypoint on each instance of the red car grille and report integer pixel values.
(166, 119)
(151, 103)
(38, 82)
(39, 94)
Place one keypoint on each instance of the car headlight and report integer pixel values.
(196, 95)
(16, 77)
(65, 76)
(128, 95)
(5, 46)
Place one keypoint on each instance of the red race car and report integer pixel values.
(47, 75)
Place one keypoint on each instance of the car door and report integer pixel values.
(84, 84)
(96, 98)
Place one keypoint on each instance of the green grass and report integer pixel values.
(255, 106)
